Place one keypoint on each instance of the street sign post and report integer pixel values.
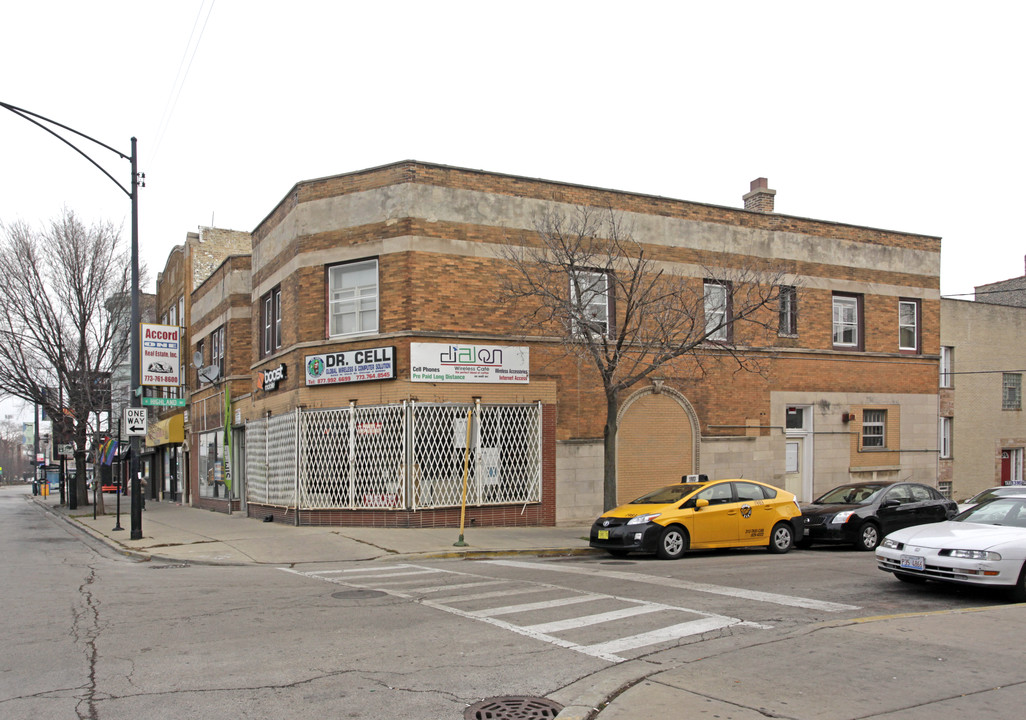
(135, 421)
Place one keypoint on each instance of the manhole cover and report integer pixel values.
(517, 707)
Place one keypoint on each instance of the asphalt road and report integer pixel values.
(91, 634)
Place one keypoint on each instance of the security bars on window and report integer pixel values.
(407, 456)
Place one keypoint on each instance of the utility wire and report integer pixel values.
(181, 76)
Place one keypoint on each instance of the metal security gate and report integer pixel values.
(405, 456)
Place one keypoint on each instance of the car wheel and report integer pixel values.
(1019, 589)
(673, 542)
(869, 537)
(781, 539)
(617, 552)
(910, 579)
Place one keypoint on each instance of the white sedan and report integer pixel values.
(985, 546)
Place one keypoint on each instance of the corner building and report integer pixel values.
(386, 380)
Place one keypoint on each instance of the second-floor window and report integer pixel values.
(353, 298)
(847, 321)
(1011, 391)
(217, 350)
(788, 322)
(717, 311)
(589, 294)
(947, 362)
(270, 321)
(908, 325)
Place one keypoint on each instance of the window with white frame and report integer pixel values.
(1011, 391)
(717, 310)
(788, 320)
(846, 321)
(874, 429)
(908, 325)
(270, 322)
(590, 298)
(217, 350)
(945, 438)
(947, 360)
(353, 298)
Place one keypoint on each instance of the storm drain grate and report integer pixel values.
(169, 567)
(516, 707)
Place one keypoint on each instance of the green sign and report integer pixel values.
(166, 402)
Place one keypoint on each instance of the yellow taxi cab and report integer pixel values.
(700, 515)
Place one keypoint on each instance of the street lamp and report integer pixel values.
(133, 195)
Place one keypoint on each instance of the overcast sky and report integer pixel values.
(897, 115)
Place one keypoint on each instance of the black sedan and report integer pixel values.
(862, 513)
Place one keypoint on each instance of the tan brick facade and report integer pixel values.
(436, 232)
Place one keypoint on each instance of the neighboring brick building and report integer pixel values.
(187, 267)
(983, 359)
(373, 304)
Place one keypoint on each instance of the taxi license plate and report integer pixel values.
(913, 562)
(603, 534)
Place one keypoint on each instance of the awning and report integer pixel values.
(166, 432)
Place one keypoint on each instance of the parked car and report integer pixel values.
(699, 515)
(985, 545)
(862, 513)
(991, 493)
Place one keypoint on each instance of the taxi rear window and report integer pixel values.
(668, 494)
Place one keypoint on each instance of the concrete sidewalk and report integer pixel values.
(178, 533)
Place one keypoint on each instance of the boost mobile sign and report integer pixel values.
(160, 350)
(351, 366)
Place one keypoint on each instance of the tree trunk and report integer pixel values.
(609, 454)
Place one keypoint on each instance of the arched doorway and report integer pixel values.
(657, 441)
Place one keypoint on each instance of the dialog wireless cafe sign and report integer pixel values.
(435, 362)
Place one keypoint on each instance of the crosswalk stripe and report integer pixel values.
(672, 632)
(597, 619)
(526, 607)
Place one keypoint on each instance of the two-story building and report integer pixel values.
(387, 382)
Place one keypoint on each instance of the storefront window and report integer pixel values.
(211, 465)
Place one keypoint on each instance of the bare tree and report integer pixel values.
(60, 337)
(583, 276)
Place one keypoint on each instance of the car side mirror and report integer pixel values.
(890, 503)
(701, 503)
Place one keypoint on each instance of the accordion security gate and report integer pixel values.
(396, 457)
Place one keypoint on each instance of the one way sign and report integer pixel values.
(135, 421)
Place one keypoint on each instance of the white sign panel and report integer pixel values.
(351, 366)
(435, 362)
(160, 347)
(135, 421)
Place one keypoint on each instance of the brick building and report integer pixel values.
(385, 379)
(982, 427)
(188, 267)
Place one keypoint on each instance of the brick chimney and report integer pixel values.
(760, 198)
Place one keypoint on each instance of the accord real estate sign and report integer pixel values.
(160, 347)
(435, 362)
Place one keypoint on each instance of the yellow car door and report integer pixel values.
(757, 515)
(715, 523)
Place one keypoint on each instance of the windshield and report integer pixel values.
(997, 492)
(1003, 511)
(668, 494)
(851, 495)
